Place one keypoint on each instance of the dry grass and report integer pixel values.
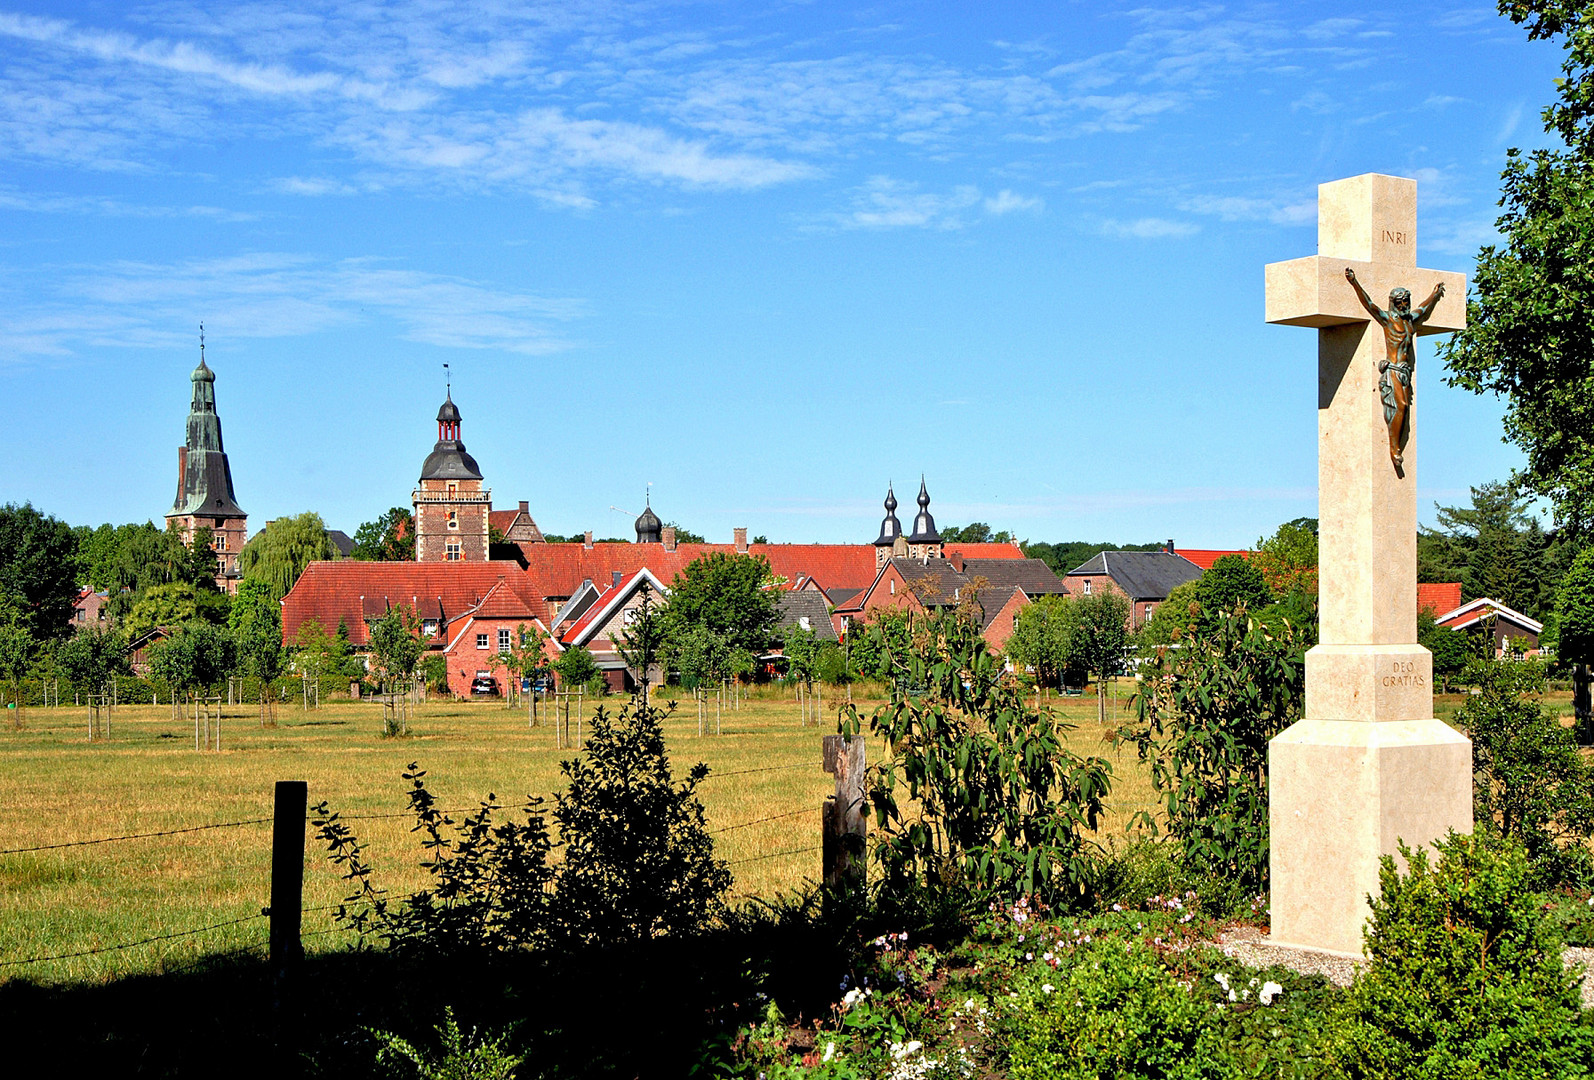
(58, 788)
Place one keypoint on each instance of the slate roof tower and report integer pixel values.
(890, 538)
(205, 498)
(924, 542)
(451, 506)
(649, 529)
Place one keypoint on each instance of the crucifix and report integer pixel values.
(1368, 765)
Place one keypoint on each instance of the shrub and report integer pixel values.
(1206, 711)
(460, 1056)
(995, 800)
(1114, 1012)
(638, 858)
(1464, 975)
(1528, 777)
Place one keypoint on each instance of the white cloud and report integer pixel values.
(1150, 228)
(312, 185)
(272, 295)
(1005, 202)
(1241, 208)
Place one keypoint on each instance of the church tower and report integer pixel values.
(924, 542)
(205, 497)
(451, 506)
(890, 542)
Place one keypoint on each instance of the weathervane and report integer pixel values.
(201, 343)
(448, 382)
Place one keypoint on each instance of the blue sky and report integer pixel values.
(765, 257)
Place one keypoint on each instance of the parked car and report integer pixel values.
(483, 685)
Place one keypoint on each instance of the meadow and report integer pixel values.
(57, 787)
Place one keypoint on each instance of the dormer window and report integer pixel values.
(802, 621)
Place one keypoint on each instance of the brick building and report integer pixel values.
(205, 498)
(451, 505)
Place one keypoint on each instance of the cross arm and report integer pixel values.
(1313, 292)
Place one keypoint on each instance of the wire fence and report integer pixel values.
(265, 912)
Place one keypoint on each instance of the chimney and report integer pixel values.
(956, 559)
(667, 534)
(1169, 548)
(587, 542)
(524, 508)
(741, 539)
(617, 577)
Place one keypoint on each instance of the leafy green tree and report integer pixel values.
(1098, 639)
(1287, 560)
(977, 533)
(390, 538)
(979, 788)
(1528, 336)
(1041, 637)
(198, 656)
(16, 654)
(1172, 619)
(256, 624)
(161, 605)
(1528, 777)
(729, 595)
(92, 657)
(1232, 583)
(1451, 649)
(1464, 973)
(279, 553)
(576, 667)
(638, 858)
(38, 570)
(1574, 618)
(1205, 713)
(318, 654)
(396, 646)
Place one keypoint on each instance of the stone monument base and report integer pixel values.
(1341, 793)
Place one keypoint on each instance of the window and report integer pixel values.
(503, 641)
(451, 553)
(219, 541)
(1148, 610)
(453, 519)
(481, 641)
(453, 489)
(893, 586)
(628, 617)
(1087, 586)
(802, 621)
(429, 627)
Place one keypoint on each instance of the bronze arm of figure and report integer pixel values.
(1361, 294)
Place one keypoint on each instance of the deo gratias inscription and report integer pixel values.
(1404, 673)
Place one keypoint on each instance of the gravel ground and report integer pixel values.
(1250, 947)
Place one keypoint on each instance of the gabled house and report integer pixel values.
(1145, 577)
(603, 620)
(1507, 625)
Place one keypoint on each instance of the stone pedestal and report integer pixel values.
(1369, 766)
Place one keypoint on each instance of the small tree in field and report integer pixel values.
(16, 651)
(576, 667)
(1098, 639)
(91, 658)
(256, 624)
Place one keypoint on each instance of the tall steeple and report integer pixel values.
(890, 531)
(451, 505)
(924, 542)
(205, 498)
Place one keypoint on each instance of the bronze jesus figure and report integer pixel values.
(1400, 324)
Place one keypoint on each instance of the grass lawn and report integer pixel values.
(59, 787)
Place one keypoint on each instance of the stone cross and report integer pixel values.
(1368, 764)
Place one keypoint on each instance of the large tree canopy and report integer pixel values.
(728, 595)
(1528, 335)
(278, 554)
(390, 538)
(38, 571)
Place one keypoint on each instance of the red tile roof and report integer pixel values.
(1438, 597)
(350, 590)
(502, 519)
(1205, 557)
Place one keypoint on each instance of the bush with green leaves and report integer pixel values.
(638, 858)
(459, 1055)
(1529, 779)
(1464, 975)
(981, 790)
(1205, 714)
(1114, 1011)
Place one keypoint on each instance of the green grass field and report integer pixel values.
(57, 787)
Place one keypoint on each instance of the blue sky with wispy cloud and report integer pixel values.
(764, 257)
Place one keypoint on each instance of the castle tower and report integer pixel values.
(924, 542)
(205, 498)
(451, 506)
(649, 529)
(890, 538)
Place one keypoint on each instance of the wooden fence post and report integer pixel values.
(287, 892)
(845, 845)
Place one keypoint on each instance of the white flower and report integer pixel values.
(1046, 957)
(1047, 988)
(1117, 907)
(1029, 956)
(1269, 992)
(854, 996)
(1233, 996)
(1221, 979)
(830, 1051)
